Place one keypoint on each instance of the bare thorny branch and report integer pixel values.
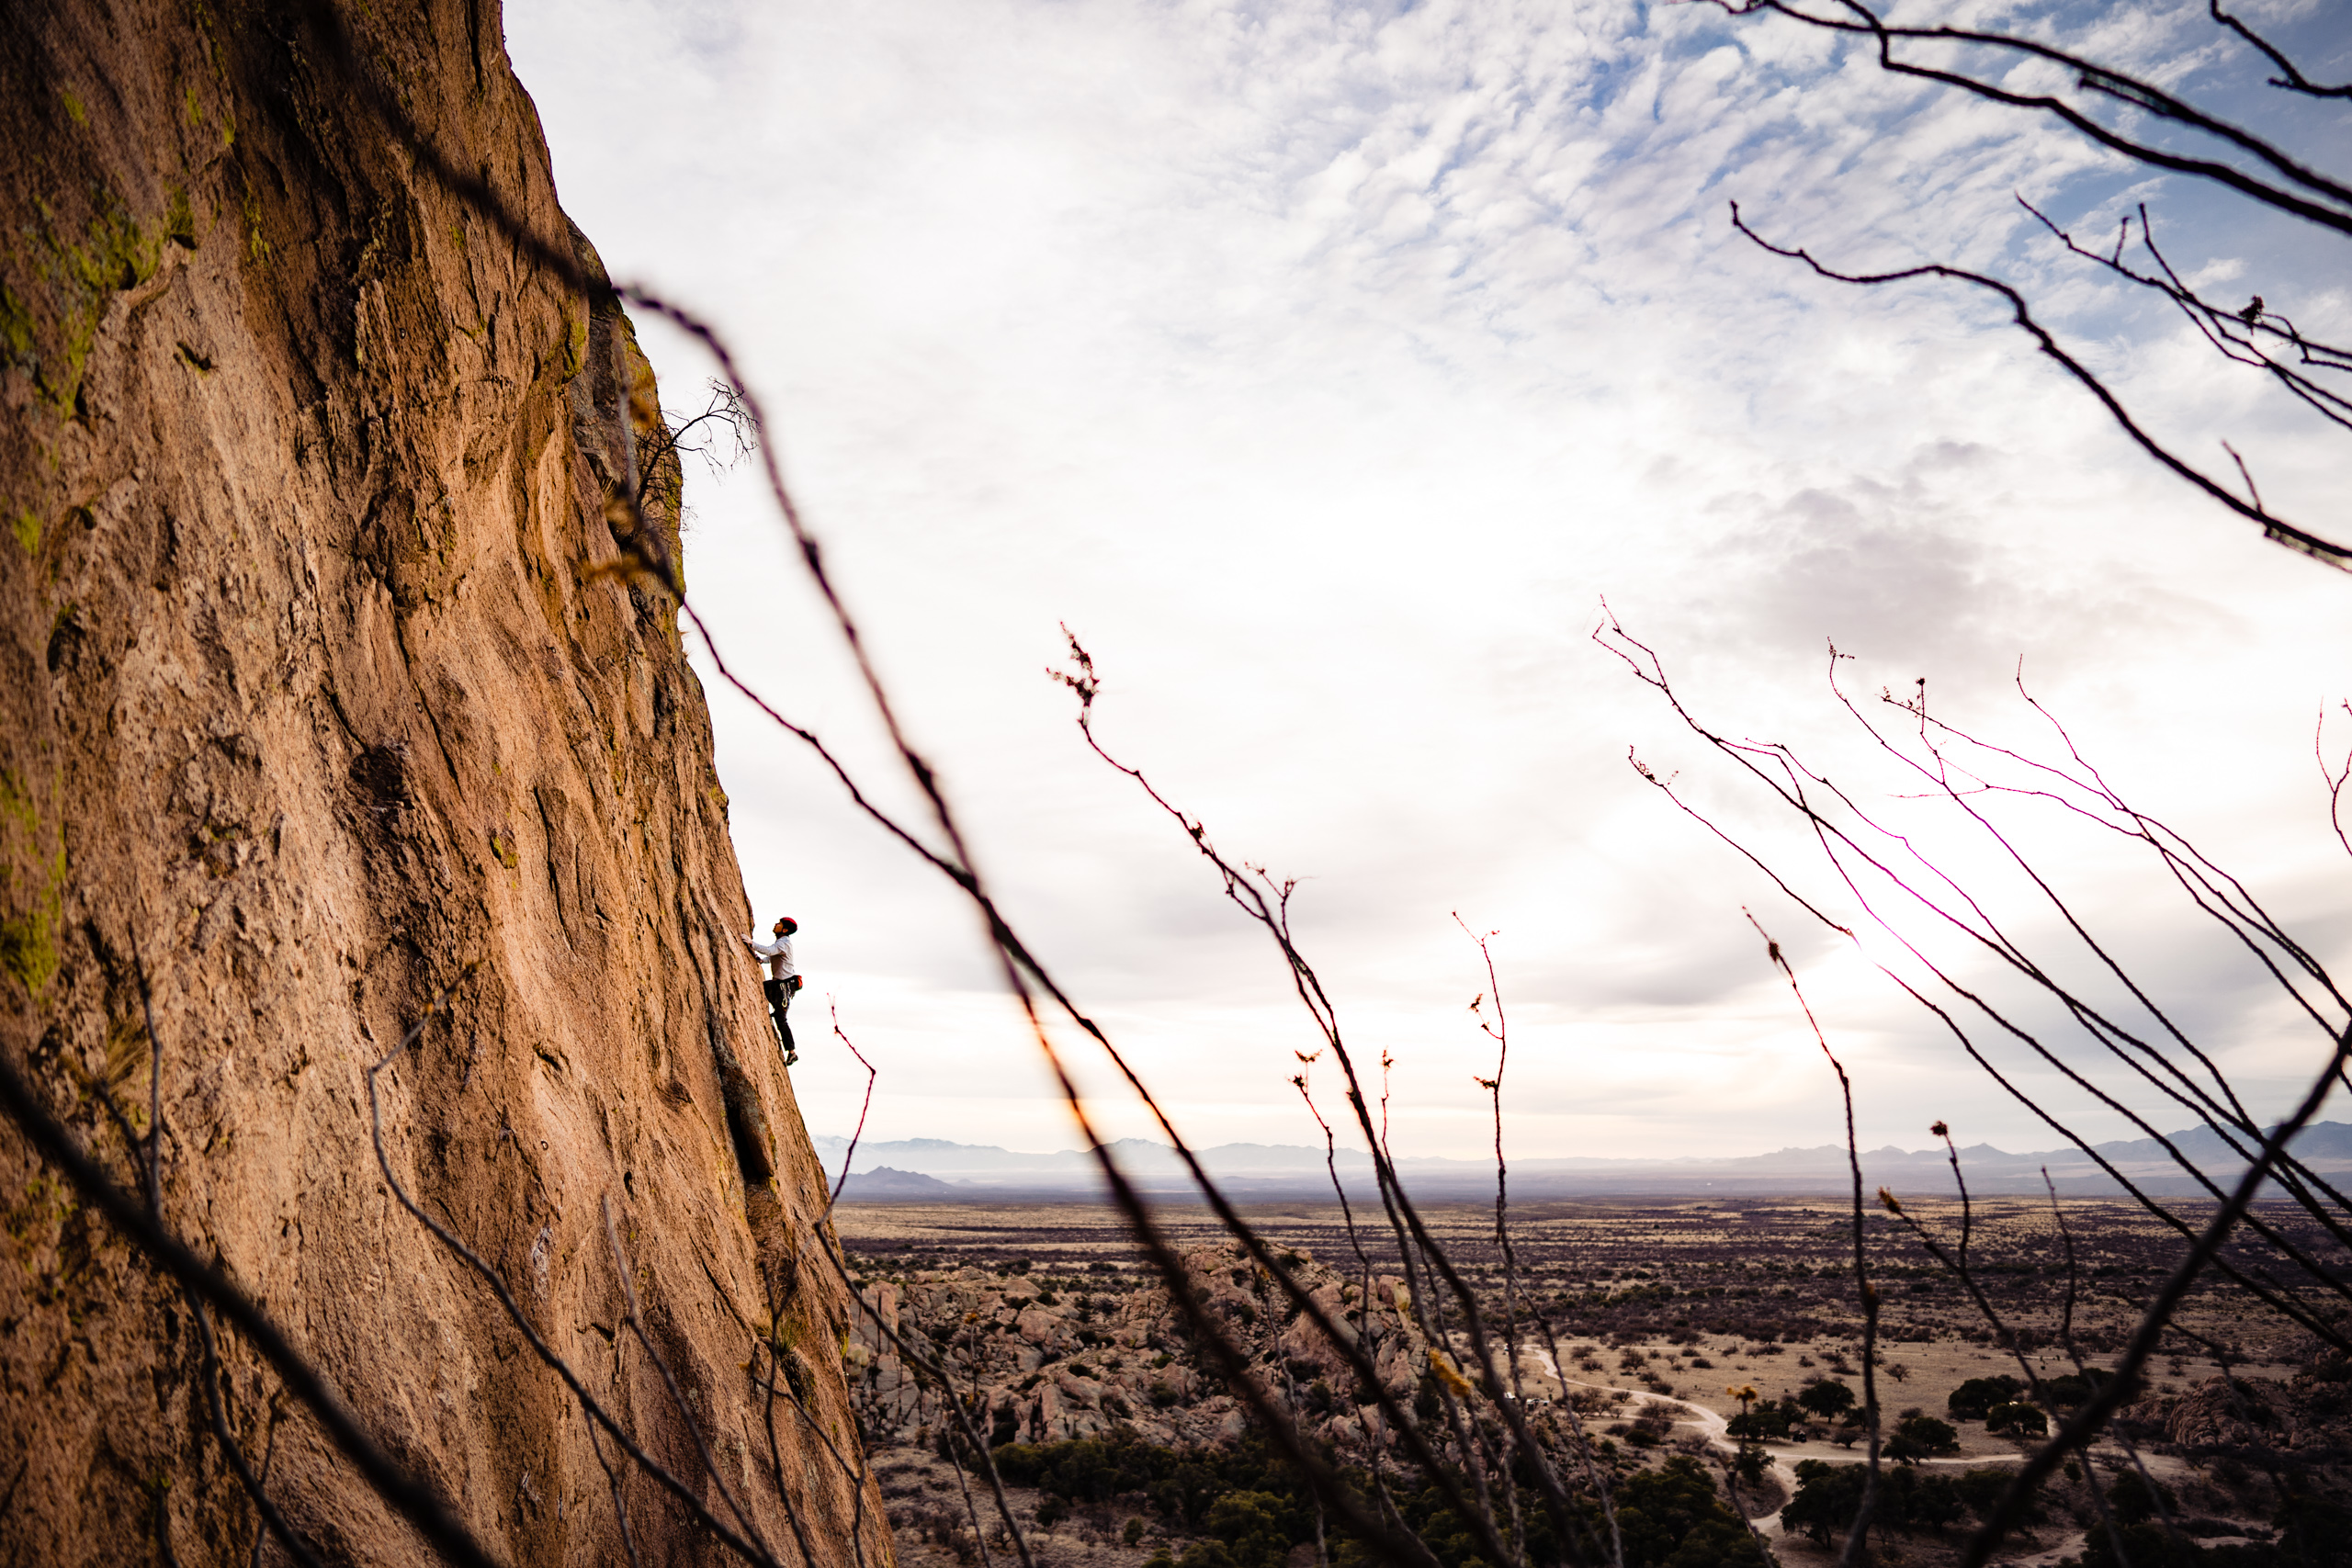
(2214, 894)
(2251, 335)
(2273, 528)
(1265, 902)
(1810, 797)
(411, 1495)
(2288, 185)
(2274, 180)
(647, 554)
(1859, 1533)
(849, 1156)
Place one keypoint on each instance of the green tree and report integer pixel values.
(2134, 1502)
(1984, 1488)
(1971, 1399)
(2023, 1420)
(1250, 1524)
(1827, 1497)
(1671, 1518)
(2314, 1529)
(1827, 1399)
(1918, 1436)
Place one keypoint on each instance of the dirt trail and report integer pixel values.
(1715, 1429)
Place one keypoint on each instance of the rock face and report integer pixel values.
(322, 697)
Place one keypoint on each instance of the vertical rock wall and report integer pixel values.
(317, 689)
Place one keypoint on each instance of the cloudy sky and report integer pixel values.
(1323, 367)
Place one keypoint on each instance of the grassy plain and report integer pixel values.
(1767, 1282)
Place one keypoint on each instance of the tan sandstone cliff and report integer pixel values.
(315, 696)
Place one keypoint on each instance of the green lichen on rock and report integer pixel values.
(33, 1221)
(15, 328)
(179, 220)
(17, 804)
(575, 343)
(29, 934)
(116, 253)
(257, 249)
(29, 943)
(48, 320)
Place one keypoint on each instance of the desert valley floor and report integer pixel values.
(1639, 1316)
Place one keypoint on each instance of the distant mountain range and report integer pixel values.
(936, 1170)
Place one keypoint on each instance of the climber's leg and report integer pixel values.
(779, 995)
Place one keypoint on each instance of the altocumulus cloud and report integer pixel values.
(1323, 367)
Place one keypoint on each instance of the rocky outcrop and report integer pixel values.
(2307, 1417)
(327, 690)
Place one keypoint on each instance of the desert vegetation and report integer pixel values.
(1110, 1438)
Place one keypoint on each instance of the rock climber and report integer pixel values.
(783, 980)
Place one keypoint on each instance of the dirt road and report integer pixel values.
(1715, 1429)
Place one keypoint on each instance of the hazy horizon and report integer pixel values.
(2323, 1131)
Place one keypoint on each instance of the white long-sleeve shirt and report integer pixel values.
(776, 954)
